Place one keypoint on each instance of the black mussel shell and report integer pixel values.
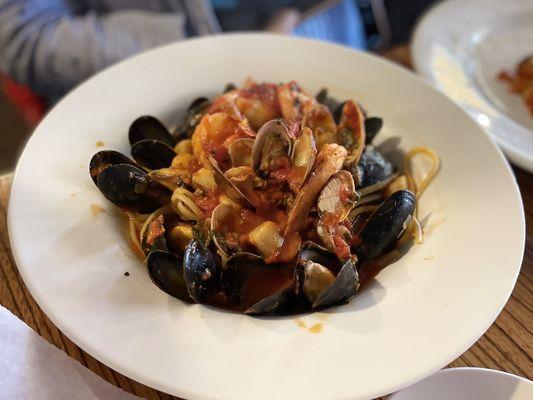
(260, 289)
(194, 114)
(372, 168)
(198, 104)
(323, 97)
(201, 271)
(346, 280)
(229, 87)
(152, 154)
(148, 127)
(337, 112)
(166, 271)
(345, 286)
(319, 254)
(131, 188)
(238, 269)
(385, 225)
(106, 158)
(282, 302)
(372, 127)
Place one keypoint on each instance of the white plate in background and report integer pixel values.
(460, 46)
(417, 316)
(469, 384)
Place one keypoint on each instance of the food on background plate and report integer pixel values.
(521, 82)
(264, 200)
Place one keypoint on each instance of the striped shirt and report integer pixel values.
(52, 45)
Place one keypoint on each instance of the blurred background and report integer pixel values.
(49, 46)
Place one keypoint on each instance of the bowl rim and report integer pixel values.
(487, 372)
(128, 371)
(519, 157)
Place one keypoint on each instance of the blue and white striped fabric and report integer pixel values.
(52, 45)
(341, 23)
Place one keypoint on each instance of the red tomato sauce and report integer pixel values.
(208, 201)
(155, 230)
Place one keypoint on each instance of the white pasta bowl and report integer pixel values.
(417, 315)
(469, 384)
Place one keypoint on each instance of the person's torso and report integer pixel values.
(103, 6)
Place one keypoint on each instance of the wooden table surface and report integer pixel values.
(506, 346)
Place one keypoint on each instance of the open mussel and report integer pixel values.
(322, 289)
(373, 172)
(344, 286)
(194, 114)
(106, 158)
(152, 154)
(166, 271)
(324, 280)
(201, 270)
(129, 187)
(164, 230)
(148, 127)
(385, 225)
(315, 279)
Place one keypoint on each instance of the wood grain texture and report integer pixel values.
(506, 346)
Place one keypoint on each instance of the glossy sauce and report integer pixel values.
(316, 328)
(96, 210)
(208, 202)
(264, 283)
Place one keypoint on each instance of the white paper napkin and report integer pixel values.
(31, 368)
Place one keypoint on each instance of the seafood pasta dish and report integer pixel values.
(265, 199)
